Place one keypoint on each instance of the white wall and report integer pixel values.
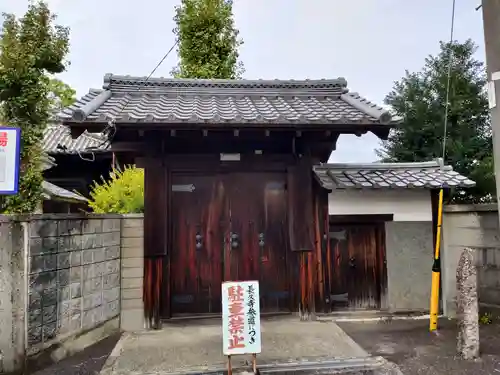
(404, 204)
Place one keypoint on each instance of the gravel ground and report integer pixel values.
(409, 344)
(87, 362)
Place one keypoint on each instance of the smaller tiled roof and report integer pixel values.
(55, 192)
(57, 140)
(429, 175)
(126, 99)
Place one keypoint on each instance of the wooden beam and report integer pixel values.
(128, 146)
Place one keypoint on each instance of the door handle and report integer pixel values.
(352, 262)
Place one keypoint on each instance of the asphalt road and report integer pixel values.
(409, 344)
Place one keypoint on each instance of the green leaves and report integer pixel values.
(60, 94)
(420, 98)
(31, 48)
(122, 194)
(208, 40)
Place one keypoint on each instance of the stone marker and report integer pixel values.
(467, 306)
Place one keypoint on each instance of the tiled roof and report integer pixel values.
(55, 192)
(126, 99)
(389, 175)
(47, 161)
(57, 140)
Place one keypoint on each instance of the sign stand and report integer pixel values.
(230, 368)
(241, 321)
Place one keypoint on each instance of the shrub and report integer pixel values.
(123, 193)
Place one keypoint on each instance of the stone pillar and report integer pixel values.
(467, 306)
(132, 273)
(12, 296)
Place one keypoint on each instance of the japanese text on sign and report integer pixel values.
(4, 139)
(241, 317)
(9, 160)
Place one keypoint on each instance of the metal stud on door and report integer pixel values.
(261, 239)
(199, 241)
(235, 243)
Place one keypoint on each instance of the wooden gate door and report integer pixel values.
(358, 261)
(257, 240)
(199, 225)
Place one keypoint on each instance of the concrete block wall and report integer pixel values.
(474, 226)
(59, 285)
(74, 282)
(132, 264)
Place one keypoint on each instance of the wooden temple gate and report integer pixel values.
(229, 186)
(230, 224)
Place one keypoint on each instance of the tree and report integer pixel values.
(420, 99)
(61, 95)
(31, 48)
(208, 48)
(122, 194)
(207, 40)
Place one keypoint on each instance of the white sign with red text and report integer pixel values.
(241, 318)
(10, 139)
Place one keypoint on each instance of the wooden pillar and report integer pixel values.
(302, 233)
(323, 260)
(156, 295)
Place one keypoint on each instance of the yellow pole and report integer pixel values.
(436, 269)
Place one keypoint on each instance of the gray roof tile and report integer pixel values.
(57, 140)
(55, 192)
(128, 99)
(389, 175)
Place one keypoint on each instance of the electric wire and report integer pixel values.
(159, 63)
(436, 266)
(448, 81)
(110, 130)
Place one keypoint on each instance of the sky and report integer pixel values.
(369, 42)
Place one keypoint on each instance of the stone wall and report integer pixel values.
(474, 226)
(59, 284)
(409, 251)
(74, 281)
(132, 263)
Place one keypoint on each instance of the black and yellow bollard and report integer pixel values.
(436, 269)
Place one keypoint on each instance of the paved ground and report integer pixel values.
(409, 344)
(88, 362)
(181, 347)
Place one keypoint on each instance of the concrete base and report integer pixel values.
(57, 350)
(348, 366)
(197, 347)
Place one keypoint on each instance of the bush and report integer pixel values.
(122, 194)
